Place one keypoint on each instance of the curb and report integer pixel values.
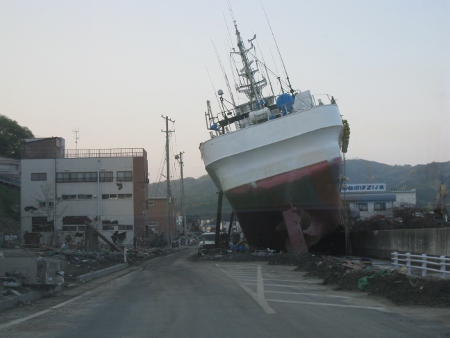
(100, 273)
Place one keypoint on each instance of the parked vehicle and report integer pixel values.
(207, 241)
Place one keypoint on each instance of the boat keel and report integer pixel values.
(295, 232)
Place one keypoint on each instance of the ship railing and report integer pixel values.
(423, 263)
(228, 121)
(322, 98)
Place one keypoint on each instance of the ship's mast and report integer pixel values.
(253, 89)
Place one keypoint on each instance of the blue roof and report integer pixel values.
(370, 197)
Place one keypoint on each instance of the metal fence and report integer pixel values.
(424, 263)
(116, 152)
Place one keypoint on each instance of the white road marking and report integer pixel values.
(18, 321)
(327, 304)
(256, 296)
(307, 294)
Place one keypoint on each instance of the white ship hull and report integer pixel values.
(294, 141)
(290, 162)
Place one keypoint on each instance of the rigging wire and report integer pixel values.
(231, 60)
(215, 91)
(265, 67)
(155, 188)
(276, 44)
(224, 75)
(268, 69)
(230, 10)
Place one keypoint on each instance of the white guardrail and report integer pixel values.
(422, 262)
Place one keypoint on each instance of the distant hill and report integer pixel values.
(201, 193)
(425, 178)
(200, 196)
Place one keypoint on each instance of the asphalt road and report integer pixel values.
(173, 297)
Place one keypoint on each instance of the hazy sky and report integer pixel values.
(111, 68)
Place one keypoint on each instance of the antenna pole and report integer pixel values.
(77, 131)
(169, 193)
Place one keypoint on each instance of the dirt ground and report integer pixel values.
(392, 284)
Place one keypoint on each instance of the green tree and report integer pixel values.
(12, 136)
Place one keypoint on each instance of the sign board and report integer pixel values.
(372, 187)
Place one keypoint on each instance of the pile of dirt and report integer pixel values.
(398, 287)
(392, 284)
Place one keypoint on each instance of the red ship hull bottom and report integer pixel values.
(312, 192)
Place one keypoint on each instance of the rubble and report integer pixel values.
(70, 264)
(343, 275)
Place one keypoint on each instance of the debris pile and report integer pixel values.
(76, 263)
(400, 288)
(395, 285)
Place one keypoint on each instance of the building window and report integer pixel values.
(44, 204)
(69, 228)
(84, 197)
(68, 197)
(62, 177)
(39, 177)
(106, 176)
(108, 227)
(380, 206)
(151, 203)
(6, 167)
(76, 177)
(40, 224)
(125, 227)
(90, 177)
(124, 176)
(116, 196)
(362, 206)
(152, 224)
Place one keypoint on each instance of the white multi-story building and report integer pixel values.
(62, 189)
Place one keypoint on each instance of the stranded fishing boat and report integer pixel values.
(276, 157)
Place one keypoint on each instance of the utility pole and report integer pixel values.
(169, 193)
(179, 157)
(219, 218)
